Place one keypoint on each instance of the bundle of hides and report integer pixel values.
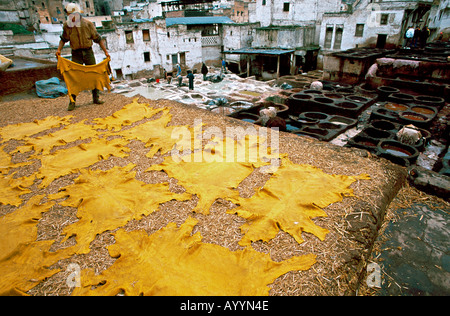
(409, 135)
(413, 64)
(275, 122)
(385, 65)
(372, 72)
(385, 61)
(5, 63)
(79, 77)
(266, 114)
(50, 88)
(316, 85)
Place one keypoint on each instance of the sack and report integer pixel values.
(5, 63)
(50, 88)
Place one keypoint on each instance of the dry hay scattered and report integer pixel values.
(341, 257)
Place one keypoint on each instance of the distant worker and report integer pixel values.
(204, 71)
(178, 70)
(316, 85)
(424, 34)
(416, 37)
(190, 77)
(409, 36)
(223, 67)
(81, 32)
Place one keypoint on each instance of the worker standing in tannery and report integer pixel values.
(81, 32)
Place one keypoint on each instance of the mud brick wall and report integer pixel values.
(19, 79)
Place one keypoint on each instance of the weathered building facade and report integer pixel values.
(154, 35)
(148, 48)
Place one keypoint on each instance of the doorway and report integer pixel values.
(119, 74)
(183, 60)
(381, 40)
(174, 59)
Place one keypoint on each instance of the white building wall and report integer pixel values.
(129, 57)
(164, 42)
(9, 16)
(439, 17)
(236, 36)
(372, 27)
(180, 41)
(300, 11)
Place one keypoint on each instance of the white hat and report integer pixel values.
(73, 8)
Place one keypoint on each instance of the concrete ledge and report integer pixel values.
(25, 73)
(353, 223)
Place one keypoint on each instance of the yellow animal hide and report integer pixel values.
(174, 262)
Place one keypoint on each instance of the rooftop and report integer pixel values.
(196, 20)
(260, 51)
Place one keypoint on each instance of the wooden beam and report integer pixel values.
(278, 67)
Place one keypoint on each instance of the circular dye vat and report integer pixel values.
(398, 150)
(342, 121)
(247, 117)
(383, 125)
(301, 96)
(333, 95)
(316, 131)
(329, 126)
(356, 98)
(430, 100)
(250, 93)
(368, 143)
(401, 97)
(347, 105)
(309, 91)
(376, 133)
(345, 90)
(413, 116)
(364, 141)
(387, 89)
(395, 106)
(315, 115)
(323, 100)
(423, 110)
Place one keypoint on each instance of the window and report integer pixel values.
(146, 56)
(338, 36)
(129, 37)
(286, 6)
(146, 35)
(87, 4)
(384, 19)
(119, 74)
(328, 36)
(359, 30)
(175, 59)
(263, 2)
